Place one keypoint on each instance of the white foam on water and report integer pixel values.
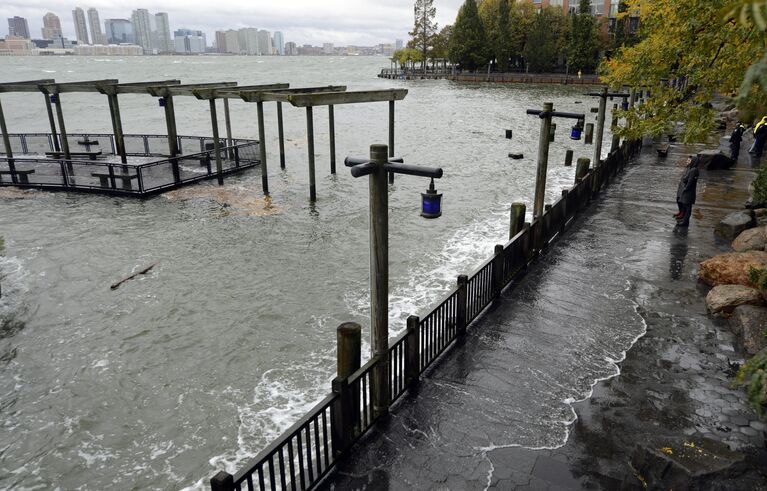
(14, 288)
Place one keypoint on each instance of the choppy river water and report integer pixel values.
(200, 363)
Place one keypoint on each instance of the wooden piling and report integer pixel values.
(413, 351)
(600, 128)
(543, 159)
(281, 134)
(517, 222)
(170, 124)
(262, 147)
(52, 123)
(332, 130)
(581, 169)
(391, 137)
(569, 158)
(588, 137)
(216, 142)
(62, 128)
(310, 144)
(348, 346)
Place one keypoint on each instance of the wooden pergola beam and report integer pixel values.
(185, 89)
(228, 93)
(282, 94)
(336, 98)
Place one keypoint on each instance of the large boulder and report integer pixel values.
(731, 268)
(749, 323)
(753, 239)
(733, 224)
(723, 299)
(714, 160)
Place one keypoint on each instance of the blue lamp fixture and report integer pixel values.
(162, 101)
(431, 202)
(625, 104)
(54, 98)
(577, 130)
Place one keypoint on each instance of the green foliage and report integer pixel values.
(468, 44)
(407, 55)
(441, 42)
(424, 29)
(758, 277)
(760, 186)
(546, 40)
(753, 375)
(582, 52)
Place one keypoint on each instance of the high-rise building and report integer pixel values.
(232, 41)
(399, 44)
(81, 29)
(119, 31)
(189, 42)
(142, 29)
(51, 26)
(95, 27)
(279, 43)
(248, 40)
(220, 42)
(164, 43)
(18, 27)
(291, 49)
(264, 43)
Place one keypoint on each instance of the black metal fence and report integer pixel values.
(149, 171)
(302, 456)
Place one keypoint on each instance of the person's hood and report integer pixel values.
(694, 163)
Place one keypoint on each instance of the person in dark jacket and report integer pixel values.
(735, 138)
(685, 193)
(760, 137)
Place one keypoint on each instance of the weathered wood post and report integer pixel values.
(581, 169)
(588, 137)
(332, 130)
(517, 221)
(413, 351)
(310, 145)
(462, 307)
(568, 158)
(543, 159)
(600, 128)
(7, 144)
(223, 481)
(379, 278)
(391, 137)
(228, 124)
(498, 271)
(216, 142)
(170, 124)
(262, 146)
(62, 127)
(117, 125)
(552, 132)
(281, 135)
(52, 123)
(613, 127)
(348, 357)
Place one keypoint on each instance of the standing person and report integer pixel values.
(735, 138)
(760, 136)
(685, 193)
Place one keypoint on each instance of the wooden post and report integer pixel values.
(281, 133)
(223, 481)
(117, 127)
(564, 211)
(332, 129)
(498, 271)
(569, 158)
(379, 279)
(614, 126)
(517, 221)
(391, 137)
(262, 147)
(462, 307)
(216, 143)
(7, 144)
(413, 351)
(62, 128)
(342, 430)
(581, 169)
(632, 103)
(600, 128)
(543, 159)
(170, 123)
(588, 136)
(52, 122)
(552, 132)
(348, 346)
(310, 144)
(228, 124)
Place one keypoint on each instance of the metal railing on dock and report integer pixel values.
(303, 455)
(149, 171)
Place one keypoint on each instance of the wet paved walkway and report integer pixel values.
(623, 277)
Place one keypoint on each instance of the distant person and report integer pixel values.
(685, 193)
(735, 138)
(579, 74)
(760, 137)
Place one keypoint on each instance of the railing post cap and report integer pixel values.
(498, 248)
(338, 383)
(565, 191)
(222, 481)
(463, 279)
(349, 328)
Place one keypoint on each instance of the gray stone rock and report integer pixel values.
(760, 212)
(714, 160)
(680, 463)
(733, 224)
(723, 299)
(749, 323)
(753, 239)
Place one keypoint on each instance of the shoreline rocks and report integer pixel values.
(748, 323)
(731, 268)
(753, 239)
(724, 299)
(733, 224)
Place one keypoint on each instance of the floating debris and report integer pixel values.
(237, 200)
(114, 286)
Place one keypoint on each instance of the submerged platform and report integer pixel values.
(94, 165)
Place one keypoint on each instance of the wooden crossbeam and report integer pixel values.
(336, 98)
(229, 93)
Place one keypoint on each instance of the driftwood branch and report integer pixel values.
(138, 273)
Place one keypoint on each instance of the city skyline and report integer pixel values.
(362, 23)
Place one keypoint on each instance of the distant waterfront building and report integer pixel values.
(328, 49)
(248, 41)
(399, 44)
(97, 37)
(51, 26)
(188, 42)
(16, 46)
(279, 43)
(164, 43)
(18, 27)
(119, 31)
(142, 29)
(220, 42)
(109, 50)
(232, 41)
(291, 49)
(81, 29)
(264, 43)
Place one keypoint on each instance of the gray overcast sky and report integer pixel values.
(343, 22)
